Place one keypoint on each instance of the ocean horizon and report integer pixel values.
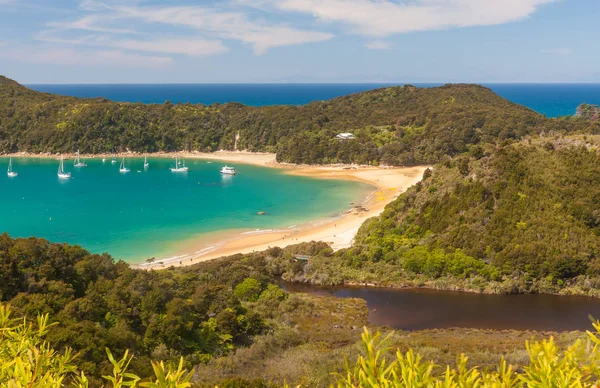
(551, 100)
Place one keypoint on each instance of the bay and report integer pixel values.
(142, 214)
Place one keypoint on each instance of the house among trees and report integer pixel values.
(345, 136)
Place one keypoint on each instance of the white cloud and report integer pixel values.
(378, 45)
(558, 51)
(192, 47)
(187, 46)
(385, 17)
(91, 23)
(68, 56)
(227, 25)
(109, 16)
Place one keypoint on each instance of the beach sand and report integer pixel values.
(387, 184)
(339, 232)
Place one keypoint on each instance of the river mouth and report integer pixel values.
(422, 309)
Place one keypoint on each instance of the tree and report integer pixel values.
(249, 289)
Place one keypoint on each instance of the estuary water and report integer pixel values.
(149, 213)
(421, 309)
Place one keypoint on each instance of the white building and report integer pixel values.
(345, 136)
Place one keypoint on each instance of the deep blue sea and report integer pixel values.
(551, 100)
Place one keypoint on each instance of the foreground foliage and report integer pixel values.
(157, 315)
(577, 366)
(28, 360)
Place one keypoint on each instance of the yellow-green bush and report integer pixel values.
(27, 360)
(577, 366)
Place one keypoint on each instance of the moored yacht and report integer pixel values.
(122, 168)
(226, 170)
(61, 170)
(10, 172)
(78, 162)
(179, 166)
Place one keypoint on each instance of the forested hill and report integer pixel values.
(522, 217)
(398, 125)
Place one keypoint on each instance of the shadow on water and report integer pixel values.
(420, 309)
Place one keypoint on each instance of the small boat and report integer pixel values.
(103, 160)
(226, 170)
(123, 168)
(146, 164)
(61, 170)
(78, 162)
(113, 161)
(179, 166)
(10, 172)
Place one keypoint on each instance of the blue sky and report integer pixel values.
(156, 41)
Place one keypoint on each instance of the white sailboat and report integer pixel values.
(228, 170)
(179, 166)
(114, 160)
(61, 170)
(146, 164)
(78, 162)
(11, 173)
(123, 168)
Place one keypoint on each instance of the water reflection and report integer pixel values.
(419, 309)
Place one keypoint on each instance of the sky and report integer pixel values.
(196, 41)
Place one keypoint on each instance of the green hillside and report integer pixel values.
(514, 218)
(398, 125)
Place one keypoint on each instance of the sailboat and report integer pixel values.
(114, 160)
(146, 164)
(123, 168)
(11, 173)
(78, 162)
(179, 166)
(61, 170)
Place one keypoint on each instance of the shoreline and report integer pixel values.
(243, 157)
(339, 231)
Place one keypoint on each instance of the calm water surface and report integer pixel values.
(419, 309)
(148, 213)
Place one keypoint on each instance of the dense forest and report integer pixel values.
(207, 314)
(520, 217)
(161, 315)
(394, 126)
(227, 319)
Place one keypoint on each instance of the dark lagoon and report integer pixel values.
(420, 309)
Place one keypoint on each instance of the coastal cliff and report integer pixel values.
(588, 111)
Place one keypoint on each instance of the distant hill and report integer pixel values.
(397, 126)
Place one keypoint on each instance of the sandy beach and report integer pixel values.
(339, 232)
(387, 184)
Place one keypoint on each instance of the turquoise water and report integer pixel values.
(551, 100)
(144, 214)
